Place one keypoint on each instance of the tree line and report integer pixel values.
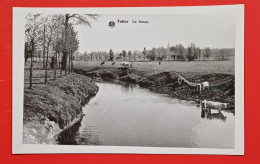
(176, 52)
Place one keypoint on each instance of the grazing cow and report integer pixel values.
(139, 63)
(127, 64)
(180, 81)
(204, 85)
(102, 63)
(113, 63)
(159, 62)
(214, 105)
(150, 63)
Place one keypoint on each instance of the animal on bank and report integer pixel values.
(202, 86)
(180, 81)
(113, 63)
(102, 63)
(126, 64)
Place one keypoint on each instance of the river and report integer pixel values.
(127, 115)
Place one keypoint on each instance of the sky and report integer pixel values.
(205, 30)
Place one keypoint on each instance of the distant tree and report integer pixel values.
(181, 55)
(91, 56)
(151, 54)
(190, 56)
(129, 55)
(206, 53)
(144, 53)
(172, 50)
(197, 53)
(111, 55)
(222, 54)
(124, 54)
(85, 55)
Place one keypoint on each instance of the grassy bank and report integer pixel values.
(165, 81)
(51, 108)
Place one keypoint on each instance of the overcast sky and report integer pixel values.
(204, 30)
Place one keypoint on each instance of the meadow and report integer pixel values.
(200, 67)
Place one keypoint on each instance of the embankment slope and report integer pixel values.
(51, 108)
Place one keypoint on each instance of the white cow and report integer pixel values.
(150, 63)
(213, 105)
(127, 64)
(204, 85)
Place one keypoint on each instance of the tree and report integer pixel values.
(111, 55)
(172, 50)
(197, 53)
(85, 55)
(190, 56)
(91, 56)
(129, 55)
(144, 53)
(206, 53)
(222, 54)
(72, 44)
(32, 39)
(181, 52)
(152, 54)
(74, 19)
(124, 54)
(51, 32)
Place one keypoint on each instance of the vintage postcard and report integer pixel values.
(156, 80)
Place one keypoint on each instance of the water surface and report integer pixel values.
(126, 115)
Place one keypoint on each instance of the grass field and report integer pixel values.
(204, 67)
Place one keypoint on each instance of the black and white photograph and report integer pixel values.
(160, 80)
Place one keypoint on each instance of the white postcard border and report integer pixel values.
(18, 77)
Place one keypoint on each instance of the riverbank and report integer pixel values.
(221, 86)
(50, 109)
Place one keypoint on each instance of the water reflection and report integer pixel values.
(210, 114)
(126, 87)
